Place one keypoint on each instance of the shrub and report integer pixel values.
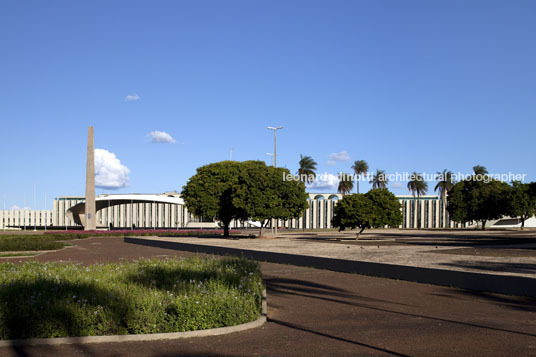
(148, 296)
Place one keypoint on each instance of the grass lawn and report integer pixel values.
(20, 243)
(149, 296)
(51, 240)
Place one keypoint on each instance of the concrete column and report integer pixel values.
(90, 182)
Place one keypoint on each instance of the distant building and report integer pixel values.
(167, 210)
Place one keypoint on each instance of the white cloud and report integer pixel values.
(16, 208)
(396, 185)
(109, 172)
(327, 182)
(334, 157)
(132, 98)
(161, 137)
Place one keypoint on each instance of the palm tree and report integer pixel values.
(360, 167)
(444, 185)
(480, 170)
(417, 186)
(346, 184)
(307, 170)
(379, 180)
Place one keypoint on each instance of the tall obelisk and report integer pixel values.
(90, 182)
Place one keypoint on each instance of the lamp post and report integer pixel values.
(275, 129)
(271, 158)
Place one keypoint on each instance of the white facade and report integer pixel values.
(167, 210)
(25, 218)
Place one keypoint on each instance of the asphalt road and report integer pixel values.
(317, 313)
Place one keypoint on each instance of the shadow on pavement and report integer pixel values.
(512, 302)
(296, 327)
(523, 268)
(281, 290)
(279, 285)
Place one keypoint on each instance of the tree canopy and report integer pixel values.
(360, 167)
(477, 200)
(262, 194)
(209, 192)
(374, 209)
(230, 190)
(307, 169)
(521, 201)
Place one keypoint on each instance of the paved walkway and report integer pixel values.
(318, 312)
(422, 250)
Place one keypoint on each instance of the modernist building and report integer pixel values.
(167, 210)
(29, 219)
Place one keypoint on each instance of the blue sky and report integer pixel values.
(404, 85)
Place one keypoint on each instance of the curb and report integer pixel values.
(499, 284)
(143, 337)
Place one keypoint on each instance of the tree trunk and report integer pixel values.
(357, 184)
(522, 222)
(418, 212)
(359, 233)
(226, 229)
(260, 229)
(483, 224)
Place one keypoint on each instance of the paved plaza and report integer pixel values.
(318, 312)
(494, 252)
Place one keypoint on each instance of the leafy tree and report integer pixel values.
(379, 179)
(360, 167)
(345, 183)
(476, 200)
(480, 170)
(521, 202)
(418, 187)
(230, 190)
(209, 192)
(307, 170)
(374, 209)
(261, 194)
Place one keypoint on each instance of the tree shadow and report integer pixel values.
(519, 303)
(167, 279)
(509, 267)
(49, 305)
(341, 339)
(284, 291)
(282, 286)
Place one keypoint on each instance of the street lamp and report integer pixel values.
(275, 142)
(275, 129)
(271, 158)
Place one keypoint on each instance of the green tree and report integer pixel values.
(521, 202)
(360, 167)
(346, 184)
(445, 183)
(209, 193)
(480, 170)
(261, 194)
(307, 170)
(477, 200)
(374, 209)
(418, 187)
(379, 179)
(230, 190)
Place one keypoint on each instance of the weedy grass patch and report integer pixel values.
(20, 243)
(55, 299)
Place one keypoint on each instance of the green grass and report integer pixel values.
(149, 296)
(20, 243)
(6, 255)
